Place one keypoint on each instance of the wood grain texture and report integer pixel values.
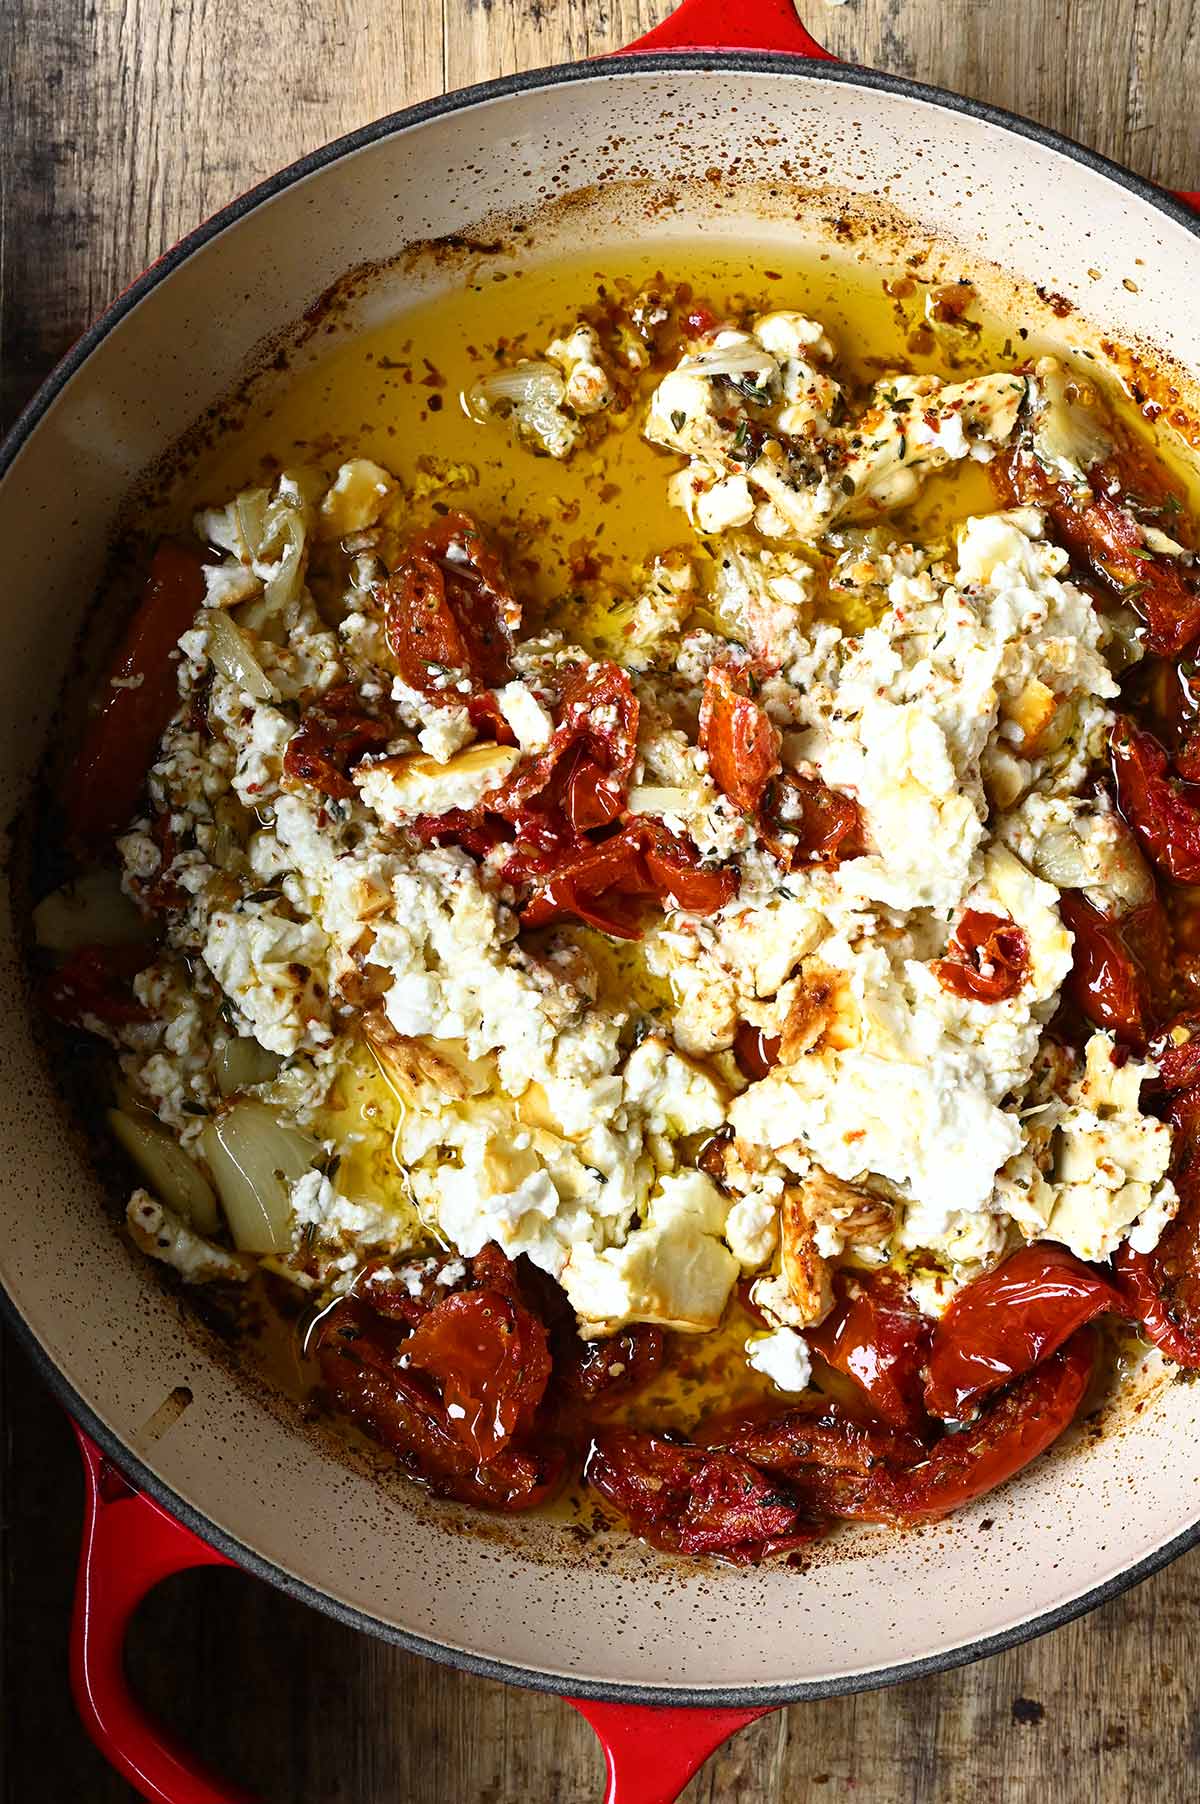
(126, 121)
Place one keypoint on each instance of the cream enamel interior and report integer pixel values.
(523, 1594)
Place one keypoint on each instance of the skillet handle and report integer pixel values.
(129, 1546)
(652, 1752)
(722, 25)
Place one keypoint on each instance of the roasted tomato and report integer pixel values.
(449, 611)
(877, 1336)
(690, 1500)
(987, 959)
(335, 734)
(490, 1360)
(1024, 1420)
(477, 832)
(95, 984)
(139, 698)
(1006, 1322)
(1161, 1289)
(805, 822)
(1163, 812)
(755, 1051)
(359, 1356)
(1099, 529)
(741, 742)
(603, 883)
(1120, 970)
(839, 1466)
(583, 775)
(604, 1371)
(450, 1380)
(1175, 1049)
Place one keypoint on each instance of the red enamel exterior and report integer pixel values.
(129, 1546)
(719, 25)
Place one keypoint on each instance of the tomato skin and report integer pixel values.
(756, 1052)
(335, 734)
(643, 861)
(452, 1381)
(690, 1500)
(358, 1357)
(580, 781)
(805, 822)
(96, 982)
(877, 1336)
(1025, 1419)
(604, 1371)
(1006, 1322)
(987, 959)
(1120, 967)
(490, 1359)
(1175, 1049)
(1100, 531)
(1163, 812)
(1161, 1289)
(448, 608)
(121, 738)
(741, 742)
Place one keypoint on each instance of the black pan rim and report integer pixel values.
(563, 1684)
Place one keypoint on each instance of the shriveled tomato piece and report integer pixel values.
(1004, 1323)
(987, 959)
(741, 741)
(449, 611)
(1120, 968)
(335, 734)
(756, 1052)
(689, 1500)
(359, 1355)
(139, 696)
(477, 832)
(1100, 530)
(645, 860)
(1024, 1420)
(584, 773)
(491, 1363)
(1161, 1289)
(877, 1336)
(831, 1455)
(1163, 812)
(95, 984)
(805, 822)
(1175, 1049)
(604, 1371)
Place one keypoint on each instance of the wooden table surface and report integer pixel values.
(126, 122)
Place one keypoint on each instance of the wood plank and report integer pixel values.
(127, 122)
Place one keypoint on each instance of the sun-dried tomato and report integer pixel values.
(690, 1500)
(138, 699)
(335, 734)
(805, 822)
(582, 777)
(449, 612)
(1162, 1288)
(489, 1358)
(1175, 1050)
(741, 741)
(877, 1336)
(987, 959)
(1002, 1324)
(1163, 812)
(95, 984)
(1120, 971)
(603, 884)
(1100, 530)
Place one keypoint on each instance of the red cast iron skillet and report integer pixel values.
(133, 1537)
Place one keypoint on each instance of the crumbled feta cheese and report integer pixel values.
(781, 1356)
